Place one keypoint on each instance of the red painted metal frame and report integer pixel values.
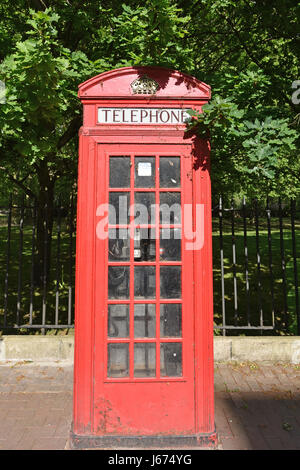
(98, 399)
(131, 417)
(156, 301)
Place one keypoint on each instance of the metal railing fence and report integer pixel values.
(37, 282)
(256, 267)
(255, 257)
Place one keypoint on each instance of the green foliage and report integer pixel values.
(54, 50)
(151, 34)
(41, 78)
(253, 150)
(247, 51)
(252, 62)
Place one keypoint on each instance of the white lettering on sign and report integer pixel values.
(142, 116)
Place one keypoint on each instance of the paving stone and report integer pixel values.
(236, 444)
(54, 443)
(256, 438)
(256, 406)
(26, 443)
(274, 443)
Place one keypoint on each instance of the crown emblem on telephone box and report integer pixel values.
(144, 86)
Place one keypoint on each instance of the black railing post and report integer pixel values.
(45, 271)
(258, 260)
(70, 258)
(21, 233)
(270, 261)
(235, 293)
(222, 265)
(283, 265)
(7, 261)
(58, 262)
(34, 221)
(293, 215)
(246, 260)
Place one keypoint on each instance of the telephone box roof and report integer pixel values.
(149, 82)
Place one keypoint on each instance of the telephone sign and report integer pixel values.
(143, 372)
(142, 116)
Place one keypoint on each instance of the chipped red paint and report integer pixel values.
(157, 408)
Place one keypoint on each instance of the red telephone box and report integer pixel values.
(144, 309)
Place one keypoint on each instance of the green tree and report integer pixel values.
(247, 51)
(41, 115)
(48, 52)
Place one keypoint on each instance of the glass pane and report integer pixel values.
(118, 245)
(170, 359)
(144, 245)
(170, 208)
(144, 360)
(170, 320)
(118, 208)
(170, 282)
(144, 321)
(169, 172)
(118, 282)
(144, 208)
(144, 282)
(118, 321)
(144, 172)
(119, 172)
(118, 360)
(170, 244)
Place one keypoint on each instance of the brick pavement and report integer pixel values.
(35, 406)
(257, 406)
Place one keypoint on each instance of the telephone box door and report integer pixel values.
(144, 315)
